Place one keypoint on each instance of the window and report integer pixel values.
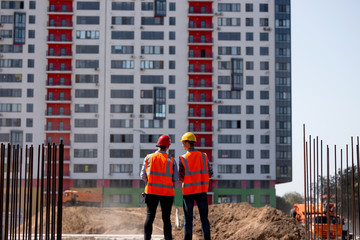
(249, 65)
(264, 22)
(152, 49)
(172, 21)
(86, 93)
(264, 109)
(229, 124)
(264, 124)
(123, 93)
(121, 168)
(85, 138)
(264, 80)
(31, 19)
(172, 36)
(264, 51)
(171, 108)
(229, 50)
(152, 79)
(87, 34)
(124, 6)
(87, 63)
(121, 183)
(264, 94)
(229, 36)
(86, 78)
(229, 198)
(172, 50)
(264, 184)
(250, 169)
(159, 103)
(29, 107)
(229, 153)
(148, 64)
(171, 94)
(9, 107)
(172, 6)
(171, 123)
(84, 183)
(160, 8)
(265, 154)
(122, 20)
(249, 7)
(32, 5)
(86, 123)
(87, 48)
(263, 7)
(249, 80)
(88, 5)
(249, 124)
(250, 154)
(229, 109)
(249, 94)
(85, 168)
(229, 7)
(249, 36)
(250, 139)
(264, 169)
(172, 65)
(152, 35)
(151, 123)
(264, 36)
(121, 138)
(88, 20)
(85, 153)
(229, 94)
(122, 64)
(264, 139)
(229, 21)
(29, 122)
(31, 33)
(229, 184)
(249, 51)
(30, 93)
(229, 169)
(147, 6)
(249, 22)
(86, 108)
(265, 199)
(229, 139)
(121, 108)
(121, 123)
(19, 26)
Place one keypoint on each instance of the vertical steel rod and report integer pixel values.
(336, 199)
(352, 188)
(53, 191)
(37, 195)
(341, 189)
(347, 191)
(310, 195)
(8, 162)
(328, 192)
(42, 191)
(48, 192)
(2, 174)
(305, 178)
(60, 191)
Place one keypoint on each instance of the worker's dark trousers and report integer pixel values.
(188, 205)
(152, 202)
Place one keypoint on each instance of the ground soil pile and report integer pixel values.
(232, 221)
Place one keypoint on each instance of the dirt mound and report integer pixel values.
(231, 221)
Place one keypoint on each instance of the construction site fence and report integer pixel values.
(31, 185)
(331, 177)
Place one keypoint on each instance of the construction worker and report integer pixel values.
(159, 172)
(194, 173)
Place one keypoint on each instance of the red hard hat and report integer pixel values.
(164, 140)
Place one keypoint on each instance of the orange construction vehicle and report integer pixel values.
(75, 198)
(317, 216)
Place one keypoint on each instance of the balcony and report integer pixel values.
(58, 69)
(208, 114)
(199, 71)
(58, 99)
(199, 84)
(60, 39)
(204, 145)
(201, 26)
(51, 54)
(57, 129)
(201, 100)
(201, 55)
(57, 115)
(200, 41)
(200, 11)
(58, 85)
(202, 130)
(58, 10)
(52, 24)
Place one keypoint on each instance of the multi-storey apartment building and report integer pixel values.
(108, 77)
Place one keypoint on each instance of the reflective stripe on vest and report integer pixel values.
(163, 183)
(192, 183)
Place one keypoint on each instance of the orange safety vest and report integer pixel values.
(196, 179)
(159, 170)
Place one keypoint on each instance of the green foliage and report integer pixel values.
(286, 203)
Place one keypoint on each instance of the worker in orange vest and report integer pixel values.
(159, 171)
(194, 172)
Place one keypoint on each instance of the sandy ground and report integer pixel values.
(233, 221)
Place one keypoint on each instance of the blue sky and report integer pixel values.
(325, 77)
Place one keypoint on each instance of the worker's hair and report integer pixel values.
(192, 143)
(163, 148)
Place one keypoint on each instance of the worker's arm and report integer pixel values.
(175, 171)
(210, 169)
(143, 174)
(181, 171)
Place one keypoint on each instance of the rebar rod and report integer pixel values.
(8, 162)
(336, 199)
(328, 191)
(60, 190)
(53, 191)
(48, 192)
(37, 195)
(305, 178)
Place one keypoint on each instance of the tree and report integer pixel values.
(286, 203)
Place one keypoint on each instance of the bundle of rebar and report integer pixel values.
(29, 187)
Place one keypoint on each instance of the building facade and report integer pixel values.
(109, 77)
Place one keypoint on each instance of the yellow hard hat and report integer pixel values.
(189, 136)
